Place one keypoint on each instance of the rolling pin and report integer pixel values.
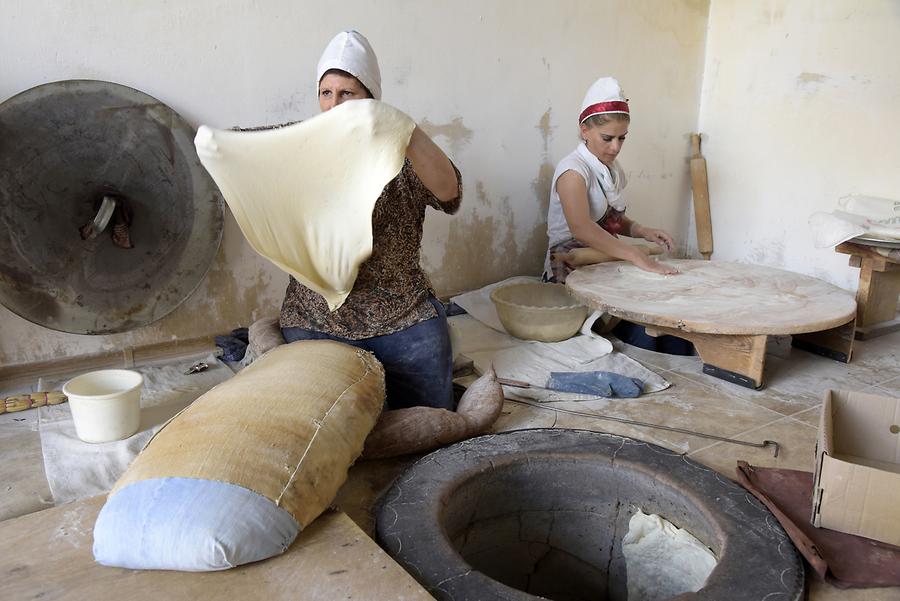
(701, 199)
(589, 256)
(21, 402)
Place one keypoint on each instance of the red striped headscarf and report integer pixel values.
(604, 96)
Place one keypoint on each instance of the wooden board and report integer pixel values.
(738, 359)
(47, 555)
(700, 187)
(28, 373)
(715, 297)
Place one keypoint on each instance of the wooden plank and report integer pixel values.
(879, 261)
(23, 373)
(835, 343)
(878, 329)
(47, 555)
(741, 355)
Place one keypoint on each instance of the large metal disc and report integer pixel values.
(63, 147)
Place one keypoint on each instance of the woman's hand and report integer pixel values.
(574, 200)
(650, 264)
(651, 234)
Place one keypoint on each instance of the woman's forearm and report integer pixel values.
(597, 238)
(432, 166)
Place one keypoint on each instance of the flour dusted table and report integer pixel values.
(727, 310)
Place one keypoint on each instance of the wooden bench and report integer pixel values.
(878, 291)
(47, 555)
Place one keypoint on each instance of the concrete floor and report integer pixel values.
(786, 410)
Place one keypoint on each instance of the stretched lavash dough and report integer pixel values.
(662, 560)
(303, 195)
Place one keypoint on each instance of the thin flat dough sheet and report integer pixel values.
(663, 561)
(303, 195)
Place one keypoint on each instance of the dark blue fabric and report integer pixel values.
(418, 362)
(636, 335)
(598, 383)
(234, 345)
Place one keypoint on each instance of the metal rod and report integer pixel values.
(758, 445)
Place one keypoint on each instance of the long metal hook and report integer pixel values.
(759, 445)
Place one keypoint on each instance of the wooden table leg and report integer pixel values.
(876, 299)
(836, 343)
(739, 359)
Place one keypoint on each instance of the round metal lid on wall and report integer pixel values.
(108, 221)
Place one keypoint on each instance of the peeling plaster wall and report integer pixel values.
(800, 106)
(498, 84)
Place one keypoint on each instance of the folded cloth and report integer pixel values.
(599, 383)
(842, 560)
(533, 362)
(234, 345)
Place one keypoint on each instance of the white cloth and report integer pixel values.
(532, 361)
(832, 228)
(350, 51)
(605, 89)
(303, 195)
(76, 470)
(663, 561)
(879, 210)
(605, 188)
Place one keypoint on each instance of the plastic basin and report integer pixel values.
(105, 404)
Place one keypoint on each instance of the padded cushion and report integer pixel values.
(283, 432)
(191, 525)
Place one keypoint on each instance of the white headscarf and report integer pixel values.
(605, 96)
(350, 51)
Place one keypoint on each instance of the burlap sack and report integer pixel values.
(287, 427)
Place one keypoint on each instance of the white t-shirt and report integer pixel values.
(605, 188)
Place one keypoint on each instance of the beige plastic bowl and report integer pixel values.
(538, 311)
(105, 404)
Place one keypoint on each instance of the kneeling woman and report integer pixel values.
(587, 202)
(392, 310)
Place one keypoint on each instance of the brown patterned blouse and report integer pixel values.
(391, 291)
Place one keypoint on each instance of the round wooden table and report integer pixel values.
(727, 310)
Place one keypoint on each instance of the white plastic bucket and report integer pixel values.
(105, 404)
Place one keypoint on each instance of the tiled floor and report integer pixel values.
(786, 411)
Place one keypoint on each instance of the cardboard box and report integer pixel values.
(857, 478)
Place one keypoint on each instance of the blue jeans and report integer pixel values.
(418, 362)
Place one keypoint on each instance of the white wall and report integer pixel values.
(497, 83)
(800, 106)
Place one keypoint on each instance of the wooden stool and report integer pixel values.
(878, 291)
